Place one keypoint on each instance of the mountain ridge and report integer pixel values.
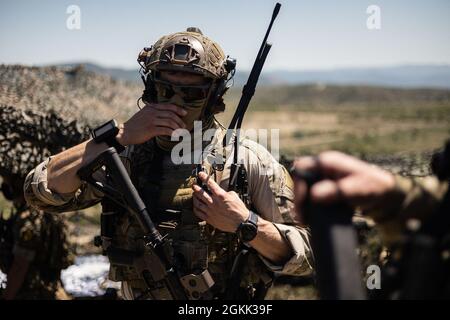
(402, 76)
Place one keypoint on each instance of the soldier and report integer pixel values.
(185, 77)
(389, 199)
(34, 246)
(34, 249)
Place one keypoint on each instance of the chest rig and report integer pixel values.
(39, 232)
(166, 190)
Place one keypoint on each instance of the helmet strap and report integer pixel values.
(149, 94)
(218, 88)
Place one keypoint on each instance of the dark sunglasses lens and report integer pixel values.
(165, 91)
(194, 93)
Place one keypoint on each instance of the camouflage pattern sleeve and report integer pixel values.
(40, 197)
(272, 196)
(414, 198)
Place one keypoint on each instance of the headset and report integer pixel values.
(215, 102)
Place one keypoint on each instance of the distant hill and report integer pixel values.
(400, 76)
(90, 92)
(313, 117)
(131, 75)
(324, 96)
(408, 76)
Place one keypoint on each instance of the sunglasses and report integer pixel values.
(187, 92)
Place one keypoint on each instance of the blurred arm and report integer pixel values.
(16, 277)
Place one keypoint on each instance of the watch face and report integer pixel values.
(248, 232)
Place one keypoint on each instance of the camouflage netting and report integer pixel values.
(39, 106)
(73, 93)
(27, 137)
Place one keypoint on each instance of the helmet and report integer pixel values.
(188, 51)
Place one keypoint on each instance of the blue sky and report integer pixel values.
(314, 34)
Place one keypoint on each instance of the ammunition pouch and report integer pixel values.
(177, 266)
(198, 286)
(189, 257)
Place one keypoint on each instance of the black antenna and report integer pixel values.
(247, 93)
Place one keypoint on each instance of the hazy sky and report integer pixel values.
(314, 34)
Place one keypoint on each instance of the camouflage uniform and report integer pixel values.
(27, 137)
(202, 246)
(40, 238)
(166, 187)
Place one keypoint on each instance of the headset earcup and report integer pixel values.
(215, 103)
(219, 105)
(149, 94)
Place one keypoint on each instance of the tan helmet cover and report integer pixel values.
(187, 51)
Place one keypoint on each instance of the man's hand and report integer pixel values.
(223, 210)
(226, 211)
(152, 120)
(345, 178)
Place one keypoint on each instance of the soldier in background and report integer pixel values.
(389, 199)
(34, 249)
(412, 216)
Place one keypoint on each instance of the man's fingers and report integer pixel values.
(212, 185)
(349, 189)
(357, 190)
(306, 163)
(163, 122)
(331, 164)
(171, 115)
(202, 195)
(171, 107)
(163, 131)
(325, 191)
(200, 209)
(335, 164)
(198, 203)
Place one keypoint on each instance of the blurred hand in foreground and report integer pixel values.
(345, 178)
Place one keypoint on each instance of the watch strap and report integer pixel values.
(109, 137)
(253, 218)
(112, 142)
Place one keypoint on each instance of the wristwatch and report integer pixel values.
(248, 229)
(107, 133)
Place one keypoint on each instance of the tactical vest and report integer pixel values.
(166, 190)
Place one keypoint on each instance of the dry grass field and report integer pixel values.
(363, 121)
